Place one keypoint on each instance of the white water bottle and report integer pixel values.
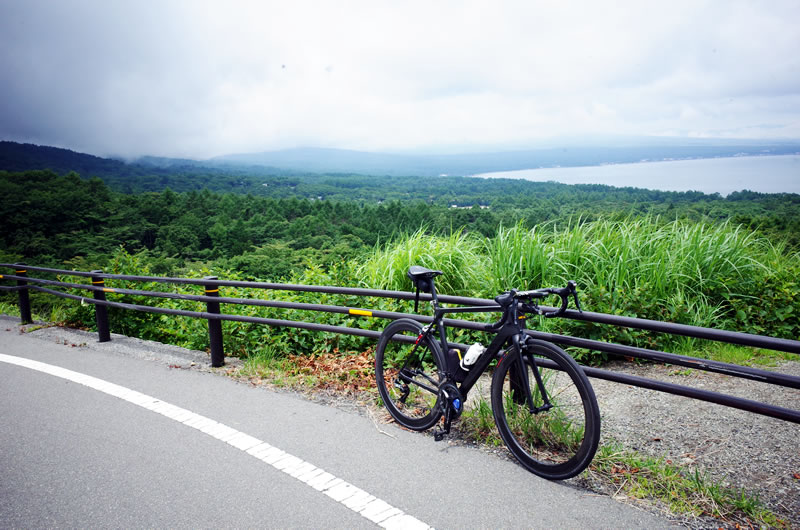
(474, 351)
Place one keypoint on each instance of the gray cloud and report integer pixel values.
(187, 78)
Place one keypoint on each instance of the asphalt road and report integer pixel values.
(74, 454)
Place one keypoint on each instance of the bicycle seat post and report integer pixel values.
(434, 296)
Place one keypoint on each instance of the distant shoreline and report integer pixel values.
(642, 161)
(762, 172)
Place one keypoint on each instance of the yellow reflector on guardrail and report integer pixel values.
(361, 312)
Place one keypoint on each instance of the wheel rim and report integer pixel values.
(410, 381)
(550, 439)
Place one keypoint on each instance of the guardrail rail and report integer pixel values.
(214, 315)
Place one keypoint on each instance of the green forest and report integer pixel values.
(58, 220)
(684, 257)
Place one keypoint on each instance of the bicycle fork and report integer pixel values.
(520, 384)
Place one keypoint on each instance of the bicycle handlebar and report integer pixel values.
(522, 297)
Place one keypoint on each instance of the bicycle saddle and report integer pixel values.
(415, 271)
(422, 277)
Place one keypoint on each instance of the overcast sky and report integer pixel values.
(198, 79)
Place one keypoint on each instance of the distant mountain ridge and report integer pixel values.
(319, 160)
(21, 157)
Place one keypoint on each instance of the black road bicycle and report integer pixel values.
(543, 404)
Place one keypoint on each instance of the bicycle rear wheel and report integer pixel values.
(408, 374)
(555, 441)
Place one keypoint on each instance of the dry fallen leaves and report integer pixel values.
(345, 372)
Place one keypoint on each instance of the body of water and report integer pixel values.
(765, 174)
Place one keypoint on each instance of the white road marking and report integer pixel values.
(356, 499)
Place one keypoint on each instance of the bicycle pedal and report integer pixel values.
(438, 434)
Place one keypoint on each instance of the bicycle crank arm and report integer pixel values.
(453, 402)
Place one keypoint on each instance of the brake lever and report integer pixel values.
(577, 303)
(574, 291)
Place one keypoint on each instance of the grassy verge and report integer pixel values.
(54, 314)
(620, 471)
(646, 477)
(745, 356)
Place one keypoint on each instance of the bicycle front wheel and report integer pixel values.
(408, 372)
(546, 410)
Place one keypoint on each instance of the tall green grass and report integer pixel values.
(711, 275)
(693, 273)
(664, 258)
(459, 256)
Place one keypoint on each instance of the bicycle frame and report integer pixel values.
(509, 329)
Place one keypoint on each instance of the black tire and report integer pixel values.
(408, 375)
(557, 443)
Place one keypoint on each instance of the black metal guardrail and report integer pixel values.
(215, 316)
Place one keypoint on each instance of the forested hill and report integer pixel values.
(158, 174)
(85, 206)
(150, 174)
(22, 157)
(52, 219)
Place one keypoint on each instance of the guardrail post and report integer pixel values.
(214, 326)
(24, 300)
(100, 311)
